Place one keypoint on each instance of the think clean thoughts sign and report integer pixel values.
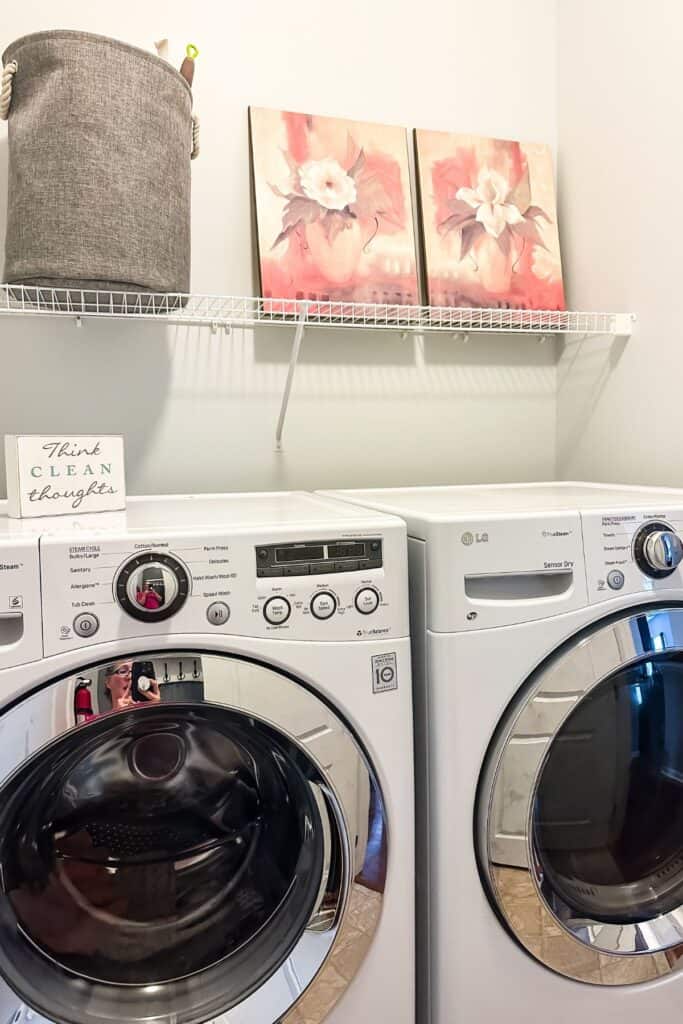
(55, 476)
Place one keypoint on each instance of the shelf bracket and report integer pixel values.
(623, 326)
(293, 360)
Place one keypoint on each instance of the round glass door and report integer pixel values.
(169, 854)
(153, 845)
(608, 807)
(580, 805)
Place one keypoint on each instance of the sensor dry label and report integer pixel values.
(384, 673)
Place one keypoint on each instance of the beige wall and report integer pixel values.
(198, 411)
(619, 411)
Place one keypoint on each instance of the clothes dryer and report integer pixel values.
(548, 637)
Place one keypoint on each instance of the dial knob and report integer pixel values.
(367, 600)
(658, 550)
(663, 550)
(152, 586)
(323, 605)
(277, 610)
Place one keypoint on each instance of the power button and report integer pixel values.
(615, 579)
(86, 624)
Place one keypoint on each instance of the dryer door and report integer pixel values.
(191, 848)
(580, 804)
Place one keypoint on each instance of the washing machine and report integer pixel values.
(206, 772)
(548, 672)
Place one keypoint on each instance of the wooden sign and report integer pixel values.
(64, 475)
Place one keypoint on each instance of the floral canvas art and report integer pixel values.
(489, 222)
(333, 209)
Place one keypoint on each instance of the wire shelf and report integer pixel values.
(240, 311)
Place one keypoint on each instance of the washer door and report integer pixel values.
(580, 805)
(191, 850)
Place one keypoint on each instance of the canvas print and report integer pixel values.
(489, 222)
(333, 209)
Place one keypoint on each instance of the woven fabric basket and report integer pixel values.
(100, 142)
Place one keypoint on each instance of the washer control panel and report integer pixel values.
(318, 557)
(98, 588)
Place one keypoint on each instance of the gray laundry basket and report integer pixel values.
(100, 142)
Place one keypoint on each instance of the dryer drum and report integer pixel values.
(166, 860)
(580, 804)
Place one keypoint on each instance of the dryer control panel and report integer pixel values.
(513, 569)
(320, 587)
(633, 551)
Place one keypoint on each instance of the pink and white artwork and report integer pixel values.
(489, 222)
(333, 209)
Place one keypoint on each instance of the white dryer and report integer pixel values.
(206, 781)
(548, 638)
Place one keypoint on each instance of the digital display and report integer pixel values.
(303, 554)
(346, 550)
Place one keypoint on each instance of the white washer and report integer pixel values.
(548, 637)
(228, 831)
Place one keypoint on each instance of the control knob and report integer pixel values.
(323, 605)
(152, 586)
(367, 600)
(277, 610)
(658, 550)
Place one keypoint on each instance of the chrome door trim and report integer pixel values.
(581, 948)
(308, 983)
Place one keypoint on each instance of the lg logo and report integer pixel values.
(472, 538)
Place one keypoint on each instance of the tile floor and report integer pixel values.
(543, 937)
(539, 931)
(349, 951)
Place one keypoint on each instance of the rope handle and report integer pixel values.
(195, 137)
(8, 73)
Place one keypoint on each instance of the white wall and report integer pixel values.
(620, 410)
(198, 411)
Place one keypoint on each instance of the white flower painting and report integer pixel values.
(489, 222)
(333, 208)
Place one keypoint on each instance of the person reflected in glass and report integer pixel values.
(118, 682)
(148, 598)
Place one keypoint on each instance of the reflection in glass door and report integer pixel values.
(181, 851)
(580, 805)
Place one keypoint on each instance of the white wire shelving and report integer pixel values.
(224, 312)
(236, 311)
